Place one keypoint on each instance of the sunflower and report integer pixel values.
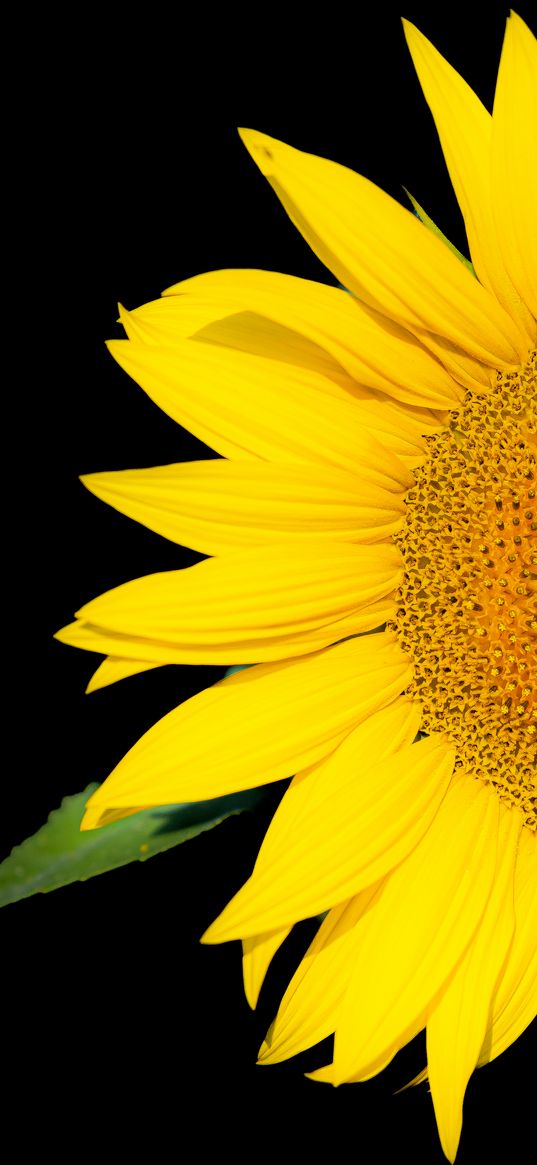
(370, 532)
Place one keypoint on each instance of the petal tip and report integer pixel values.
(260, 147)
(412, 34)
(263, 1055)
(213, 934)
(63, 634)
(123, 314)
(90, 820)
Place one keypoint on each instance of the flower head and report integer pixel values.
(371, 532)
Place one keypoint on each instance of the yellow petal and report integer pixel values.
(257, 954)
(382, 253)
(309, 1008)
(232, 322)
(353, 820)
(258, 725)
(251, 607)
(465, 131)
(326, 1075)
(374, 351)
(217, 506)
(248, 408)
(457, 1024)
(264, 592)
(418, 928)
(267, 592)
(515, 1002)
(275, 645)
(113, 669)
(514, 146)
(400, 427)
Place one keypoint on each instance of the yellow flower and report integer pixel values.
(371, 532)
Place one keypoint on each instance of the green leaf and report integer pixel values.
(428, 222)
(59, 853)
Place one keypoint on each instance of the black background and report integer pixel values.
(129, 176)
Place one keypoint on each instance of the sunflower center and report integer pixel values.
(467, 610)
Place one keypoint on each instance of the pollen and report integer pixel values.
(467, 606)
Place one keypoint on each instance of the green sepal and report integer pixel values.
(428, 222)
(59, 853)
